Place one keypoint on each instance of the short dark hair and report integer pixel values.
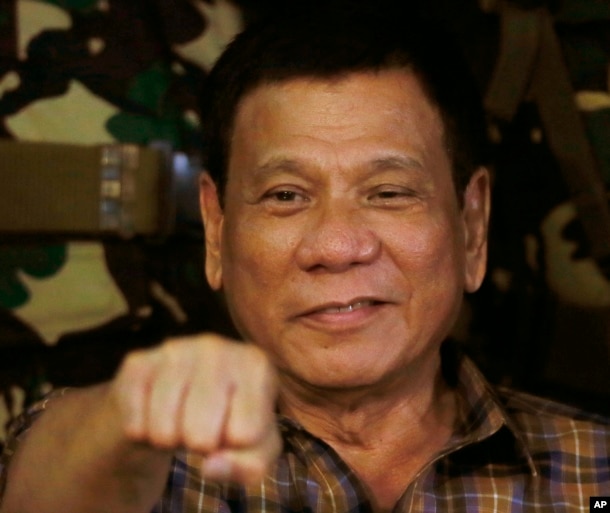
(333, 38)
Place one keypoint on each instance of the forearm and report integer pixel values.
(77, 458)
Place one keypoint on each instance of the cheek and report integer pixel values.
(430, 248)
(258, 244)
(431, 264)
(256, 263)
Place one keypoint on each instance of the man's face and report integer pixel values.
(342, 249)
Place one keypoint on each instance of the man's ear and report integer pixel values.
(475, 215)
(213, 218)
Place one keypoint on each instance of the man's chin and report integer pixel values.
(339, 383)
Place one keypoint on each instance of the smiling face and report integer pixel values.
(342, 249)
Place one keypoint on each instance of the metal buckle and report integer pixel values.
(118, 165)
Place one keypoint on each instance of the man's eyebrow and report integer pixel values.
(280, 164)
(276, 164)
(396, 162)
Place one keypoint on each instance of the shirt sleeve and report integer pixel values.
(17, 431)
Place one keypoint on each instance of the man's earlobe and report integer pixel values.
(477, 199)
(212, 215)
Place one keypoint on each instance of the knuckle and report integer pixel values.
(251, 430)
(243, 437)
(260, 369)
(259, 355)
(134, 363)
(162, 439)
(199, 441)
(163, 434)
(133, 432)
(174, 354)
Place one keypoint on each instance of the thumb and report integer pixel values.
(245, 465)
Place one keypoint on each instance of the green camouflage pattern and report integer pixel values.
(93, 72)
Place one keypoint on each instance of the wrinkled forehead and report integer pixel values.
(342, 132)
(379, 101)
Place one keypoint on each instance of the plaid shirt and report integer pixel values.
(510, 453)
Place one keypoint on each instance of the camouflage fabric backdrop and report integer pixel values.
(542, 320)
(91, 72)
(100, 71)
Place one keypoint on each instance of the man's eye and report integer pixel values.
(283, 202)
(389, 194)
(392, 196)
(285, 195)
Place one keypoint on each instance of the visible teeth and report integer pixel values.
(348, 308)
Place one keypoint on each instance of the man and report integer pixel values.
(345, 208)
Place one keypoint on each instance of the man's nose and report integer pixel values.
(337, 238)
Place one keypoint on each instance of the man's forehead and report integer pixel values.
(349, 106)
(395, 93)
(351, 122)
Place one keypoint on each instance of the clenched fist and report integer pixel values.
(207, 394)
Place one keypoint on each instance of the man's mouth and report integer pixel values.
(339, 316)
(347, 308)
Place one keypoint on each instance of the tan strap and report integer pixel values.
(115, 189)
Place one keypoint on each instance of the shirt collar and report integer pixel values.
(481, 413)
